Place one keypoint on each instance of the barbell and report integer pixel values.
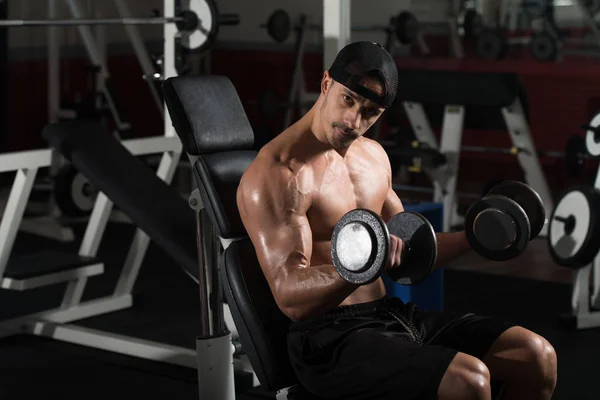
(405, 26)
(575, 154)
(199, 23)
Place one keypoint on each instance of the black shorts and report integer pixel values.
(384, 349)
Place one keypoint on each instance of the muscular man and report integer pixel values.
(356, 342)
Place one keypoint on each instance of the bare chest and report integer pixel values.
(343, 188)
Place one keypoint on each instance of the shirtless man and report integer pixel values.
(356, 342)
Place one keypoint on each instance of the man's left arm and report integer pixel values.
(451, 245)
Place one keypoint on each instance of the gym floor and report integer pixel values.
(530, 290)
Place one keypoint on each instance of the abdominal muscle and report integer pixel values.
(321, 255)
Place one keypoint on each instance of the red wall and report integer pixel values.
(562, 96)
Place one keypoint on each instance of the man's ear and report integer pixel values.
(326, 82)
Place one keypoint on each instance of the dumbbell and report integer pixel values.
(360, 246)
(499, 226)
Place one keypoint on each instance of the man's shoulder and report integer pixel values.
(372, 146)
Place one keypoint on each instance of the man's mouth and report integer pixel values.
(345, 133)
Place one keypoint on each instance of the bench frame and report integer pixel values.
(56, 323)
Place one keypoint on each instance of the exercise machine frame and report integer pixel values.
(585, 303)
(444, 178)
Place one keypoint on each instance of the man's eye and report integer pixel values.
(347, 99)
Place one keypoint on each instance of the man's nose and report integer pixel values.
(352, 119)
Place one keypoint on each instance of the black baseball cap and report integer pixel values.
(359, 60)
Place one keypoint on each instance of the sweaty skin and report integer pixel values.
(300, 185)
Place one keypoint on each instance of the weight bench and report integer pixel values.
(209, 118)
(161, 215)
(94, 151)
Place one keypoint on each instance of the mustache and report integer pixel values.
(343, 127)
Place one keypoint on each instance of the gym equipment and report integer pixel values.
(544, 47)
(279, 26)
(420, 240)
(491, 44)
(199, 24)
(575, 155)
(472, 23)
(497, 228)
(218, 142)
(500, 225)
(74, 194)
(592, 136)
(527, 198)
(574, 228)
(360, 246)
(460, 90)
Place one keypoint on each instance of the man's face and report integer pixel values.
(345, 115)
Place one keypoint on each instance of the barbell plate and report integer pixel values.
(528, 199)
(406, 27)
(592, 143)
(497, 228)
(73, 193)
(360, 246)
(543, 47)
(279, 25)
(575, 150)
(574, 229)
(491, 44)
(414, 229)
(204, 36)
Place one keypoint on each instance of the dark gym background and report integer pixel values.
(561, 96)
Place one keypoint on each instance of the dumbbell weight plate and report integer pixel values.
(279, 25)
(73, 193)
(360, 246)
(592, 141)
(407, 27)
(491, 44)
(543, 47)
(574, 228)
(528, 199)
(414, 229)
(497, 228)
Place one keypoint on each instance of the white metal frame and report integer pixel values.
(56, 323)
(585, 305)
(444, 177)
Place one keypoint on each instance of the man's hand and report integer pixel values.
(397, 250)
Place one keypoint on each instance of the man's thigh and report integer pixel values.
(467, 333)
(369, 364)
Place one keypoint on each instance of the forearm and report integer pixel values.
(314, 290)
(451, 245)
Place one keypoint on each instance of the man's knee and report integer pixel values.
(466, 378)
(542, 357)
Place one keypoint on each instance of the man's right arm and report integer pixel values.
(273, 205)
